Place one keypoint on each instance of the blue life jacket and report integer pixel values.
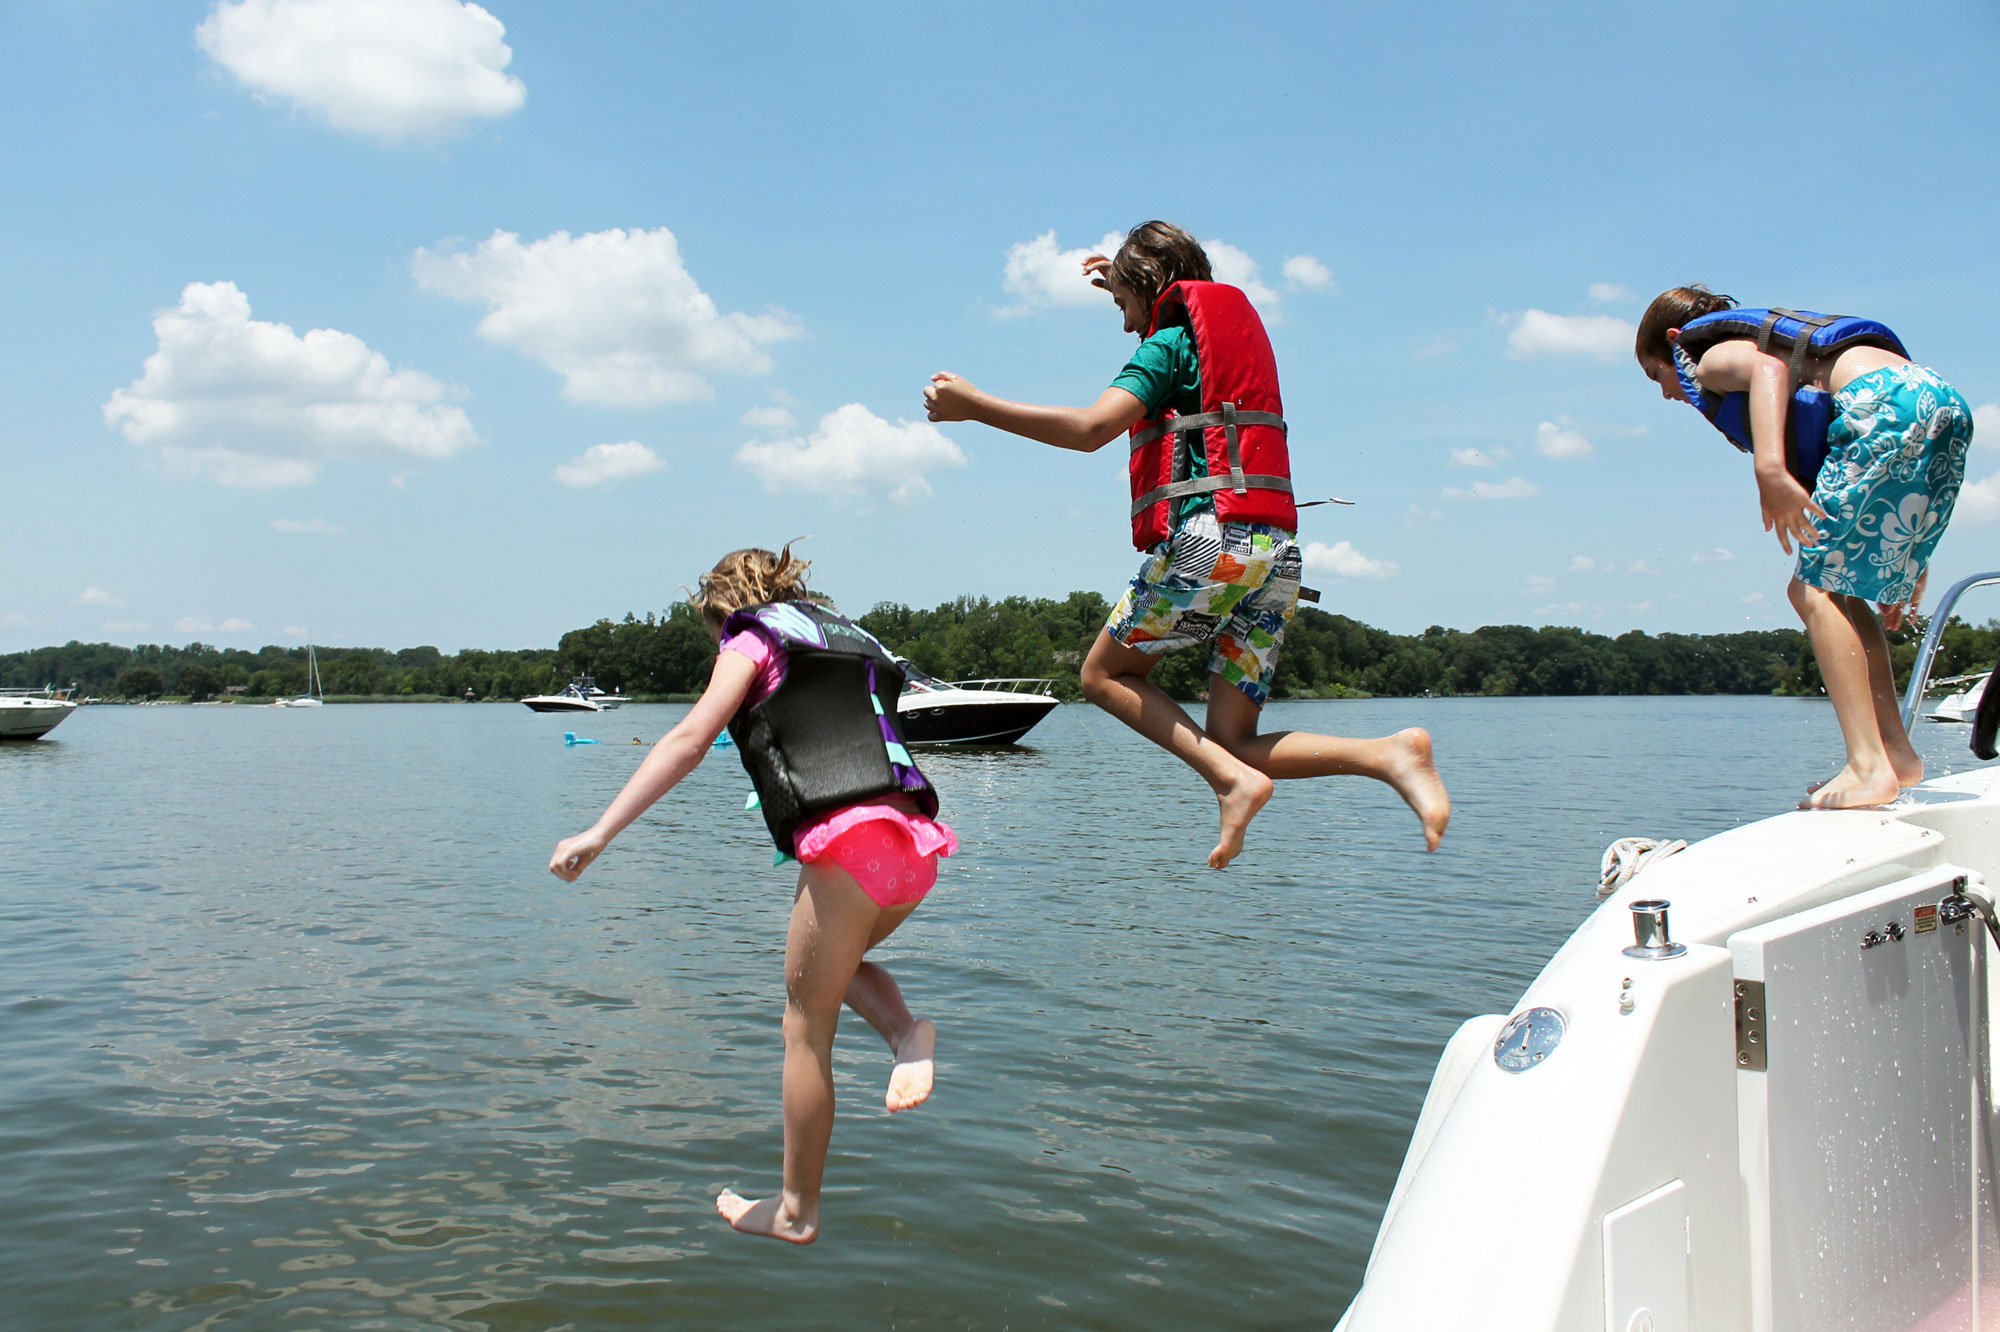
(828, 735)
(1805, 340)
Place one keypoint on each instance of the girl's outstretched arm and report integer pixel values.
(679, 752)
(1737, 366)
(949, 397)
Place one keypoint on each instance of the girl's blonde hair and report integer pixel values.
(750, 577)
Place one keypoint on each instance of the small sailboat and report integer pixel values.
(315, 695)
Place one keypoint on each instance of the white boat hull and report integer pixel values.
(31, 718)
(1779, 1130)
(560, 703)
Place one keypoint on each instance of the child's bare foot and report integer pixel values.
(1415, 777)
(1907, 766)
(1850, 790)
(916, 1056)
(1239, 805)
(765, 1216)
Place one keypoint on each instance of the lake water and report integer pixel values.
(297, 1032)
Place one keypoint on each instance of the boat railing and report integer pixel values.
(46, 691)
(1040, 684)
(1920, 670)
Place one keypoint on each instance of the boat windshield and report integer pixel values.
(915, 681)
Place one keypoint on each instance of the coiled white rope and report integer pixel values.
(1627, 856)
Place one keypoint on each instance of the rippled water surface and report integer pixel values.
(296, 1031)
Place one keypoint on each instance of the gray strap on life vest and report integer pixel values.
(1802, 349)
(1203, 420)
(1209, 485)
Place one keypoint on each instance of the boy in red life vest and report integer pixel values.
(1212, 508)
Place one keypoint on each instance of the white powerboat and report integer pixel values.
(970, 712)
(579, 695)
(30, 714)
(1774, 1114)
(1960, 705)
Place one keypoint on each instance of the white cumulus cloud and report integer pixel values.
(1514, 487)
(97, 596)
(248, 403)
(1238, 269)
(1040, 273)
(1305, 273)
(312, 526)
(1342, 560)
(1716, 555)
(1478, 457)
(768, 418)
(615, 313)
(1539, 585)
(1978, 502)
(1640, 567)
(1539, 333)
(237, 626)
(1609, 292)
(191, 624)
(854, 452)
(602, 464)
(1417, 517)
(1584, 564)
(1553, 440)
(1986, 424)
(391, 68)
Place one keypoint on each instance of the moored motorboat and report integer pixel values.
(579, 695)
(1962, 703)
(970, 712)
(1775, 1113)
(30, 714)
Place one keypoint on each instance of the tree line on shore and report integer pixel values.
(668, 655)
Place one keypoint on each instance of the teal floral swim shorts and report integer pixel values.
(1233, 584)
(1895, 461)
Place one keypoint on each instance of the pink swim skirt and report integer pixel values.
(891, 853)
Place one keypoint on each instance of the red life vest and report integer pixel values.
(1241, 423)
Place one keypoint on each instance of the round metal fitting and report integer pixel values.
(1528, 1038)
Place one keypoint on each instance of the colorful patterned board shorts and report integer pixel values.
(1236, 584)
(1895, 462)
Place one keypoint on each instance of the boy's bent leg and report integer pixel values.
(1114, 677)
(832, 920)
(1839, 647)
(1402, 760)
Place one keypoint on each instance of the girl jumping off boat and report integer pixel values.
(1212, 508)
(1859, 457)
(810, 700)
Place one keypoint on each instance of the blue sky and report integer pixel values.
(421, 323)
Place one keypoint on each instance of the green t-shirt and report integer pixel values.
(1165, 375)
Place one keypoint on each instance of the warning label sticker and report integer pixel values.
(1926, 919)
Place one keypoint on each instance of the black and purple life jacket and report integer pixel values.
(828, 735)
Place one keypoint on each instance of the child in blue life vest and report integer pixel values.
(1859, 456)
(810, 700)
(1212, 508)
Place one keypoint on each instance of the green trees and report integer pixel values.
(141, 682)
(1325, 656)
(196, 681)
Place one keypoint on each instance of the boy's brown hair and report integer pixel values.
(750, 577)
(1673, 309)
(1156, 255)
